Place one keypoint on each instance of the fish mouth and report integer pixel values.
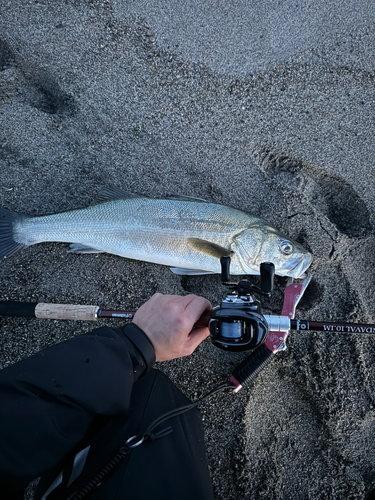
(295, 268)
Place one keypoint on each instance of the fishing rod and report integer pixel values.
(77, 312)
(236, 325)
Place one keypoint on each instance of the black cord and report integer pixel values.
(183, 409)
(148, 434)
(97, 480)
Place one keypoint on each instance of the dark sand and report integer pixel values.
(269, 109)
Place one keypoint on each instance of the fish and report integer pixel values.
(187, 234)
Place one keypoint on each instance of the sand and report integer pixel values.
(268, 108)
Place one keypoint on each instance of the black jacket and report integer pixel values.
(93, 392)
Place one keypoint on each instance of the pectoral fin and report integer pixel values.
(209, 248)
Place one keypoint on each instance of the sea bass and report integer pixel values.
(188, 234)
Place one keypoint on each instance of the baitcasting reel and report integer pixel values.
(238, 324)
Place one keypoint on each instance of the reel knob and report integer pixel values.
(267, 275)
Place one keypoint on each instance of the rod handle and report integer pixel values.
(246, 371)
(66, 311)
(20, 309)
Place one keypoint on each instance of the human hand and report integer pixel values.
(168, 321)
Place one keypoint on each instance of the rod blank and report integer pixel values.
(19, 309)
(325, 326)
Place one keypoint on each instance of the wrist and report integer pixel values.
(142, 345)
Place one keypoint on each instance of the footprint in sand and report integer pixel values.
(23, 82)
(327, 193)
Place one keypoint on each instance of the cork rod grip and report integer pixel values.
(66, 311)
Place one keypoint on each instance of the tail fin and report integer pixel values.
(8, 245)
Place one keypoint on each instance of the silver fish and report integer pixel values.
(186, 233)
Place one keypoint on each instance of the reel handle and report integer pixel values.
(267, 275)
(246, 371)
(225, 268)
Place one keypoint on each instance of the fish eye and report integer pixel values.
(286, 247)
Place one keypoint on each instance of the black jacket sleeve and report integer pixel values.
(48, 401)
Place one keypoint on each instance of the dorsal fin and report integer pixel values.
(114, 193)
(186, 198)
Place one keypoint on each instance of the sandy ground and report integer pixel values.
(266, 108)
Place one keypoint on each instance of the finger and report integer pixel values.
(196, 337)
(185, 300)
(197, 306)
(203, 320)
